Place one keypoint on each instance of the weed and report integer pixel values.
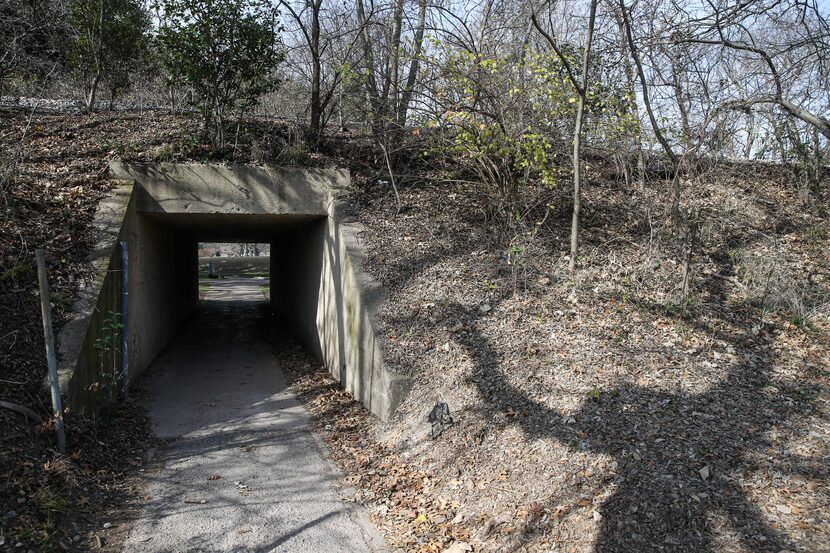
(61, 301)
(39, 537)
(110, 377)
(817, 233)
(294, 154)
(50, 502)
(165, 152)
(20, 271)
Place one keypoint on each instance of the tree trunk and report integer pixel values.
(820, 123)
(636, 140)
(412, 77)
(651, 117)
(392, 84)
(90, 96)
(99, 52)
(750, 135)
(370, 82)
(315, 127)
(580, 112)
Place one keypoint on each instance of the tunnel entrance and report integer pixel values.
(164, 214)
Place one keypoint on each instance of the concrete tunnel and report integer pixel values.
(163, 211)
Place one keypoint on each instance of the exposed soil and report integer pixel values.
(603, 410)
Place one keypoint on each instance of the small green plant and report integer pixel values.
(38, 537)
(165, 152)
(108, 369)
(17, 272)
(60, 300)
(801, 321)
(50, 502)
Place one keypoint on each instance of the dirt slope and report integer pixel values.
(600, 409)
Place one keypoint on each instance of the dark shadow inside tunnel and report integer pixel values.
(174, 264)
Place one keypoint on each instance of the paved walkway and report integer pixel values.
(242, 470)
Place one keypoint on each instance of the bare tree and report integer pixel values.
(581, 87)
(646, 98)
(738, 28)
(329, 37)
(389, 95)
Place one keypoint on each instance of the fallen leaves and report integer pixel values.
(400, 498)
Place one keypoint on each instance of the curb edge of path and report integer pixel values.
(373, 538)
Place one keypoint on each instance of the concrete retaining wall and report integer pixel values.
(317, 280)
(319, 287)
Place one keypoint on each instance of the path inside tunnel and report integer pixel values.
(241, 469)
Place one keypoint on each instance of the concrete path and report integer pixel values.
(242, 470)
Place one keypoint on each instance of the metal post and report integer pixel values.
(125, 295)
(51, 359)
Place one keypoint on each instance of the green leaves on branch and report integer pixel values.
(227, 51)
(507, 118)
(110, 42)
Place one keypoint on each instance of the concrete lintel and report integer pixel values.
(220, 189)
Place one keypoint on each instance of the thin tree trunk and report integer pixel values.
(750, 134)
(580, 112)
(686, 286)
(414, 66)
(93, 89)
(391, 87)
(99, 52)
(315, 128)
(650, 111)
(370, 81)
(629, 81)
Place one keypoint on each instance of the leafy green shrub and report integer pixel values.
(110, 43)
(227, 51)
(510, 121)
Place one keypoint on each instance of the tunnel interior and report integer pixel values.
(167, 271)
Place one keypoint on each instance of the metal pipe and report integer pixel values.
(51, 358)
(125, 296)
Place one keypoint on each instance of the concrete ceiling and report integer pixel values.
(227, 227)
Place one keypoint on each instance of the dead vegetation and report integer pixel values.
(672, 394)
(627, 413)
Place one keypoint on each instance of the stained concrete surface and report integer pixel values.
(242, 470)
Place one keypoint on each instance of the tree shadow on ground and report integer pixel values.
(680, 457)
(683, 461)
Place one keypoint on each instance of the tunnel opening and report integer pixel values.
(167, 214)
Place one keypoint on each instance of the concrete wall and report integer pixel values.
(164, 287)
(319, 287)
(317, 280)
(296, 269)
(199, 188)
(163, 292)
(84, 369)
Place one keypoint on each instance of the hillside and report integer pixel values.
(604, 407)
